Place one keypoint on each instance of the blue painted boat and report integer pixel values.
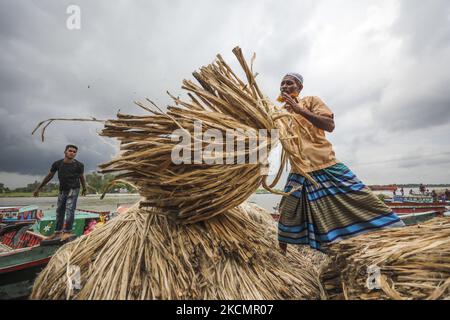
(19, 214)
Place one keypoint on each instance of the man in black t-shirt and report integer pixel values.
(70, 174)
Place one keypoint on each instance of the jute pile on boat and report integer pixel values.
(143, 254)
(413, 262)
(190, 237)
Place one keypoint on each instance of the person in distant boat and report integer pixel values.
(340, 206)
(422, 189)
(434, 196)
(411, 192)
(70, 175)
(402, 192)
(447, 194)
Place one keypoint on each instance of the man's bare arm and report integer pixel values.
(46, 180)
(83, 185)
(321, 122)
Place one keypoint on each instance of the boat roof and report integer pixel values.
(51, 215)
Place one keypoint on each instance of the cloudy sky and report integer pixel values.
(381, 66)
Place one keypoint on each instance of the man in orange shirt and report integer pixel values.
(340, 206)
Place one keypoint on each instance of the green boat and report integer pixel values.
(46, 226)
(25, 250)
(19, 214)
(21, 259)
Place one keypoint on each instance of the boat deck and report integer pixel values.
(4, 248)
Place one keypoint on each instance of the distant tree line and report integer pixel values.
(50, 187)
(96, 184)
(3, 188)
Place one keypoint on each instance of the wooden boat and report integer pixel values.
(384, 188)
(416, 204)
(416, 198)
(415, 218)
(25, 249)
(409, 212)
(83, 218)
(18, 214)
(22, 258)
(407, 218)
(417, 207)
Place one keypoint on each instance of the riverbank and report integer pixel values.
(27, 194)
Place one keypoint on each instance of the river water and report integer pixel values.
(112, 201)
(90, 202)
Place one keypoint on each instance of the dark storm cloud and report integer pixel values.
(441, 162)
(26, 154)
(423, 113)
(37, 81)
(424, 26)
(124, 51)
(417, 95)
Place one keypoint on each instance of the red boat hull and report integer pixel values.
(408, 208)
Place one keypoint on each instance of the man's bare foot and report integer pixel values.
(57, 234)
(66, 235)
(283, 248)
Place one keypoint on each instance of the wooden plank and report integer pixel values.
(4, 248)
(27, 256)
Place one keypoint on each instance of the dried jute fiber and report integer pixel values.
(143, 254)
(410, 263)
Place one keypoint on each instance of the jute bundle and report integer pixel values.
(192, 192)
(319, 260)
(143, 254)
(414, 263)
